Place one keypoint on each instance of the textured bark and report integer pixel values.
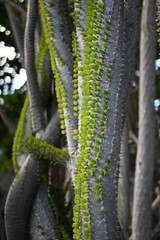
(146, 139)
(124, 182)
(36, 106)
(62, 44)
(102, 89)
(22, 192)
(42, 219)
(26, 185)
(19, 199)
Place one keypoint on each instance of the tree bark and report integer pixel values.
(146, 140)
(124, 181)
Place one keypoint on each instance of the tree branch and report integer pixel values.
(146, 136)
(36, 106)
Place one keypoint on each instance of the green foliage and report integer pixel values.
(40, 59)
(87, 163)
(90, 134)
(19, 135)
(44, 151)
(91, 72)
(75, 77)
(60, 90)
(88, 111)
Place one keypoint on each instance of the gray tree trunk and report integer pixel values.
(146, 140)
(124, 182)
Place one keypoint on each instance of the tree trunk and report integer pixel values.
(124, 181)
(146, 140)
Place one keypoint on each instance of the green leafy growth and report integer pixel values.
(75, 79)
(95, 44)
(95, 38)
(60, 90)
(75, 71)
(91, 74)
(19, 135)
(99, 136)
(44, 151)
(40, 58)
(76, 12)
(81, 209)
